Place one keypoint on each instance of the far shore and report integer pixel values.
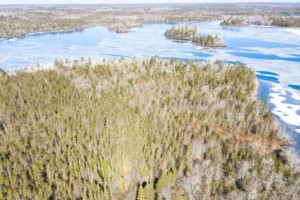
(42, 32)
(295, 30)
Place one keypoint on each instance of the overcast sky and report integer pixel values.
(129, 1)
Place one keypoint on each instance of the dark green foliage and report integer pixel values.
(208, 41)
(286, 22)
(232, 22)
(2, 72)
(181, 32)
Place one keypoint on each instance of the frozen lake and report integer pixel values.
(274, 53)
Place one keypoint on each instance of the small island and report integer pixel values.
(208, 41)
(181, 32)
(190, 33)
(232, 22)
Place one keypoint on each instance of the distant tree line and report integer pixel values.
(286, 22)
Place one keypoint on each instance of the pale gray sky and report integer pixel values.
(128, 1)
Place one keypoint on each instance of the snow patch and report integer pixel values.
(287, 112)
(294, 31)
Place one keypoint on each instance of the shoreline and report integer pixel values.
(295, 30)
(41, 32)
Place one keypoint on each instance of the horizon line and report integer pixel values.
(177, 3)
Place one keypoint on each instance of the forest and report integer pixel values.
(17, 21)
(140, 129)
